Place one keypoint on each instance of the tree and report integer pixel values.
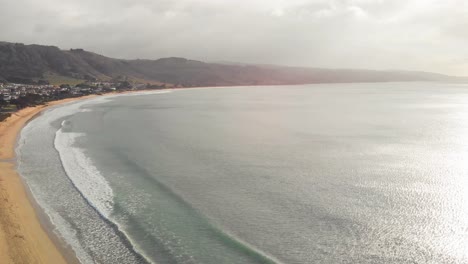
(27, 100)
(83, 85)
(3, 103)
(124, 85)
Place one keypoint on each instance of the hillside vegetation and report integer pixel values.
(23, 63)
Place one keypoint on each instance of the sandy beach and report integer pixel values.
(22, 237)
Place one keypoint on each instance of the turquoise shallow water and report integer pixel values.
(346, 173)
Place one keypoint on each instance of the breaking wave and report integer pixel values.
(82, 173)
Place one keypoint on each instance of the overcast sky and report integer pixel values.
(428, 35)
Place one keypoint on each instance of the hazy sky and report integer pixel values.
(429, 35)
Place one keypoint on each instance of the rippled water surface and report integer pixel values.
(345, 173)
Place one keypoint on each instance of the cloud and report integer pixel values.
(425, 35)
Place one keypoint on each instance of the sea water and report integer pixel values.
(336, 173)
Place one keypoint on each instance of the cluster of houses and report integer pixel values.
(13, 91)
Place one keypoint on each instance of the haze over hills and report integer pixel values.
(19, 62)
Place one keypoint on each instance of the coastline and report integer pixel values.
(24, 237)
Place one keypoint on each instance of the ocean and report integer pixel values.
(326, 173)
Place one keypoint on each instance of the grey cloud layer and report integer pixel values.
(425, 35)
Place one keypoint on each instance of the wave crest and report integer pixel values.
(82, 173)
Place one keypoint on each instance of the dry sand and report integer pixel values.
(23, 239)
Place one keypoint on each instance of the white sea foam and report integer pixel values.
(81, 171)
(83, 174)
(65, 230)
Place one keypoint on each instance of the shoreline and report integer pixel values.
(25, 232)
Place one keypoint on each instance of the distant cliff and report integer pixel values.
(19, 61)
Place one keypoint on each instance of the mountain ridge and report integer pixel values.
(20, 61)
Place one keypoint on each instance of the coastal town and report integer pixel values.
(15, 96)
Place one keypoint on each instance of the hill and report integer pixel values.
(23, 63)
